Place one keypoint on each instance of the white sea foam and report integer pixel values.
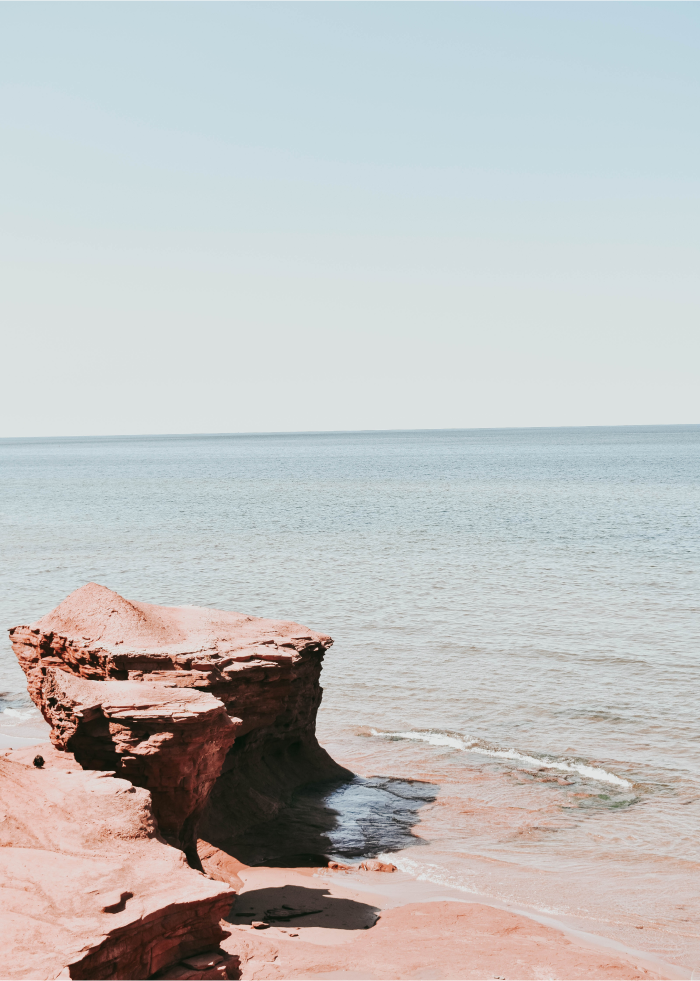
(10, 716)
(429, 872)
(474, 746)
(465, 881)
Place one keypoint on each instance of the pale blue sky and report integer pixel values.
(235, 217)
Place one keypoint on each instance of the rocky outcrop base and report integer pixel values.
(214, 712)
(88, 888)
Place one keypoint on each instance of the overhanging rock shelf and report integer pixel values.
(212, 712)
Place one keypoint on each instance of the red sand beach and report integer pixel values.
(319, 922)
(370, 928)
(176, 735)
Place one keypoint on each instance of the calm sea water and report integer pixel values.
(517, 623)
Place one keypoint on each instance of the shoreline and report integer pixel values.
(434, 892)
(212, 716)
(472, 938)
(402, 889)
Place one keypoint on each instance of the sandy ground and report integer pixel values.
(372, 926)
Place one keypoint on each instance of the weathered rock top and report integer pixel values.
(88, 888)
(117, 699)
(99, 616)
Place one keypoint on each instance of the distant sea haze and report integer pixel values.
(516, 623)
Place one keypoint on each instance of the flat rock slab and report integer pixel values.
(134, 700)
(88, 889)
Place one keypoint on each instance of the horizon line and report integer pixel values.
(353, 432)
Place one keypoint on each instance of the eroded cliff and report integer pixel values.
(212, 711)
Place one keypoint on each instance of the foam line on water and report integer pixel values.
(10, 716)
(474, 746)
(441, 876)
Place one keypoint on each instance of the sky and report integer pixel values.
(269, 217)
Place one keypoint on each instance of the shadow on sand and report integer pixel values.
(292, 906)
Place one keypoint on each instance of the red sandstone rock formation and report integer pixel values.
(207, 710)
(171, 740)
(88, 888)
(158, 694)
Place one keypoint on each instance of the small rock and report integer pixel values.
(375, 866)
(259, 925)
(338, 866)
(38, 761)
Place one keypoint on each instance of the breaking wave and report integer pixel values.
(12, 716)
(476, 746)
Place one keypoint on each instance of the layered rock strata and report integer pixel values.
(88, 888)
(159, 694)
(171, 740)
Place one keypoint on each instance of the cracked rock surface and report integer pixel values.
(88, 887)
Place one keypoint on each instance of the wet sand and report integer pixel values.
(373, 925)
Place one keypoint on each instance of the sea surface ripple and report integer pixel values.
(516, 616)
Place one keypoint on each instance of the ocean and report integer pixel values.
(516, 615)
